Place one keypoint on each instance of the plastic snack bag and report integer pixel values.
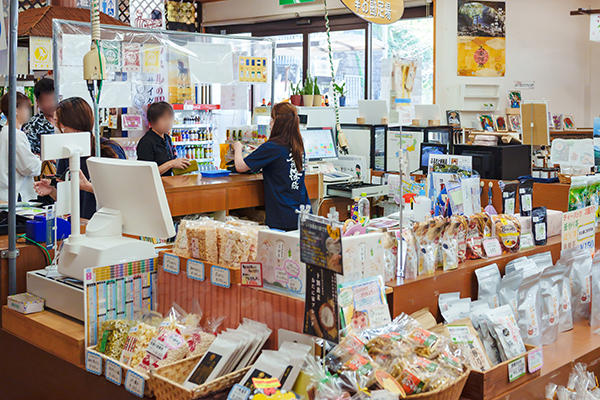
(529, 307)
(203, 239)
(578, 193)
(503, 322)
(390, 255)
(427, 248)
(539, 225)
(508, 293)
(181, 246)
(595, 311)
(169, 346)
(581, 292)
(474, 236)
(234, 245)
(461, 234)
(113, 335)
(565, 315)
(509, 196)
(550, 285)
(411, 266)
(526, 197)
(449, 245)
(508, 231)
(488, 280)
(478, 310)
(137, 341)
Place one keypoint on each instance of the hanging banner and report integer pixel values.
(40, 53)
(594, 28)
(381, 12)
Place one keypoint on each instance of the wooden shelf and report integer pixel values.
(52, 332)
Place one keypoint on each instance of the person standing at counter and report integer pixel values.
(281, 159)
(156, 144)
(43, 122)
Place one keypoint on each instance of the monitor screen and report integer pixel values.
(319, 144)
(431, 148)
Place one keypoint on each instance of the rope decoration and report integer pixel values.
(336, 105)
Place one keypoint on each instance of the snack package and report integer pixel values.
(550, 286)
(169, 346)
(463, 333)
(488, 281)
(565, 315)
(444, 298)
(514, 265)
(137, 341)
(202, 236)
(270, 364)
(471, 196)
(478, 310)
(390, 255)
(539, 225)
(542, 260)
(440, 225)
(212, 364)
(508, 293)
(509, 196)
(461, 234)
(595, 310)
(457, 309)
(426, 236)
(113, 335)
(581, 292)
(449, 245)
(508, 231)
(235, 243)
(411, 266)
(298, 353)
(474, 237)
(526, 197)
(529, 307)
(502, 321)
(181, 246)
(578, 193)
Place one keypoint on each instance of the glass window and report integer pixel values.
(288, 65)
(348, 62)
(409, 39)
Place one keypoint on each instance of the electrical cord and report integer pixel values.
(46, 253)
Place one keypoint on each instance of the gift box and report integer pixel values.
(25, 303)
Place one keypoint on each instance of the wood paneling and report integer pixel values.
(195, 202)
(251, 195)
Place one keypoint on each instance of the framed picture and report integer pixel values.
(514, 123)
(487, 122)
(557, 122)
(514, 99)
(569, 122)
(453, 117)
(500, 123)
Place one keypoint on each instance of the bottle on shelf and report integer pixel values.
(364, 210)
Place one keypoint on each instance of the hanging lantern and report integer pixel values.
(481, 56)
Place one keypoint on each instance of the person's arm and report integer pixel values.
(258, 159)
(44, 188)
(165, 167)
(240, 164)
(28, 164)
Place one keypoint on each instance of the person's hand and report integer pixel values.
(238, 147)
(84, 184)
(43, 187)
(181, 163)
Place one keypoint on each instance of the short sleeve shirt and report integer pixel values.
(285, 190)
(152, 147)
(37, 126)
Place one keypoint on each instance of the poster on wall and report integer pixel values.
(594, 28)
(481, 38)
(40, 53)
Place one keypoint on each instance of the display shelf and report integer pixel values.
(191, 142)
(204, 159)
(57, 334)
(190, 126)
(474, 95)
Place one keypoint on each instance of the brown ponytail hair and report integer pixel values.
(286, 131)
(76, 113)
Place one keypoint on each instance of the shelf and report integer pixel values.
(191, 142)
(190, 126)
(482, 97)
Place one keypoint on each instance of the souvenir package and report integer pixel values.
(509, 196)
(113, 335)
(411, 266)
(461, 237)
(180, 246)
(529, 306)
(457, 309)
(202, 238)
(539, 226)
(506, 332)
(298, 353)
(595, 310)
(445, 298)
(581, 292)
(478, 310)
(578, 193)
(508, 294)
(270, 364)
(550, 286)
(565, 316)
(426, 236)
(508, 230)
(363, 257)
(515, 265)
(474, 236)
(169, 346)
(390, 255)
(449, 244)
(137, 341)
(235, 243)
(471, 197)
(363, 304)
(526, 197)
(582, 384)
(488, 281)
(541, 260)
(463, 333)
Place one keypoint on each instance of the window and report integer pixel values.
(348, 62)
(288, 64)
(410, 39)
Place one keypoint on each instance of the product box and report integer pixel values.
(279, 255)
(554, 222)
(362, 258)
(25, 303)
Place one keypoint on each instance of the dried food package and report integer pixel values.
(539, 225)
(529, 307)
(479, 227)
(203, 239)
(113, 335)
(550, 286)
(509, 196)
(411, 265)
(169, 346)
(508, 230)
(581, 292)
(508, 293)
(526, 197)
(488, 281)
(449, 245)
(234, 246)
(137, 341)
(503, 322)
(181, 246)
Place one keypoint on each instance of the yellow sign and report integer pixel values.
(381, 12)
(40, 53)
(151, 60)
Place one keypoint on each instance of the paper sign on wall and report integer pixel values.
(378, 12)
(131, 57)
(578, 229)
(40, 53)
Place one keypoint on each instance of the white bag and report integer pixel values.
(595, 313)
(550, 285)
(529, 308)
(488, 279)
(581, 289)
(509, 290)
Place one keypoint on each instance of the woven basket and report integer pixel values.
(166, 382)
(562, 178)
(449, 392)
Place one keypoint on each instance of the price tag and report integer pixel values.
(383, 395)
(535, 360)
(195, 270)
(238, 392)
(251, 274)
(157, 348)
(134, 383)
(171, 264)
(526, 241)
(460, 334)
(220, 276)
(113, 372)
(93, 363)
(516, 369)
(492, 247)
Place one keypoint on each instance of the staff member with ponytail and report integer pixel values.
(281, 159)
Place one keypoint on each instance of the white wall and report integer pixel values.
(543, 44)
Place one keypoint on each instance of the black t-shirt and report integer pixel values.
(285, 190)
(152, 147)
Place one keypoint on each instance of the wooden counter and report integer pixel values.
(192, 194)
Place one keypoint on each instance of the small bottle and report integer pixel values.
(364, 210)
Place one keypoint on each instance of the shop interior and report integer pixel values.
(299, 199)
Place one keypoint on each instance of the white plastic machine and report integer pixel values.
(131, 199)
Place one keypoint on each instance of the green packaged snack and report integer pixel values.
(578, 193)
(113, 335)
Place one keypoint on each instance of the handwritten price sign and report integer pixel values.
(578, 229)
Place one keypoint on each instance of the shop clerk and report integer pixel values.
(281, 159)
(156, 144)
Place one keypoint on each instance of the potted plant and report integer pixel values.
(317, 94)
(341, 91)
(307, 92)
(295, 96)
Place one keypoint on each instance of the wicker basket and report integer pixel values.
(449, 392)
(166, 382)
(562, 178)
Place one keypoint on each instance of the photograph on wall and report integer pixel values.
(453, 117)
(481, 38)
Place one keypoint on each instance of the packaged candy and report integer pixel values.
(539, 225)
(509, 196)
(137, 341)
(169, 346)
(461, 232)
(488, 280)
(180, 246)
